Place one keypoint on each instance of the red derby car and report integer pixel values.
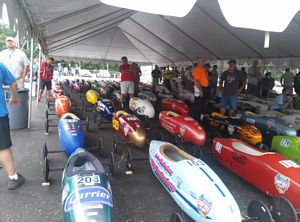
(62, 105)
(57, 91)
(270, 172)
(184, 126)
(176, 105)
(130, 128)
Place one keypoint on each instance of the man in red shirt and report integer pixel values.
(127, 79)
(46, 72)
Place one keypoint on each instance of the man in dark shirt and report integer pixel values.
(156, 75)
(234, 83)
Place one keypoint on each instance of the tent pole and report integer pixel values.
(30, 87)
(38, 75)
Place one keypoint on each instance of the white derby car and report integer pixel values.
(192, 184)
(142, 107)
(147, 95)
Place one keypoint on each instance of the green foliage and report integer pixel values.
(5, 31)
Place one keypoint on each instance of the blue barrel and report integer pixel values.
(18, 117)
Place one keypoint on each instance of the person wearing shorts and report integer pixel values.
(6, 157)
(127, 79)
(46, 72)
(232, 82)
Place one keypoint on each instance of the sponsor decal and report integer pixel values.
(218, 147)
(126, 129)
(289, 163)
(285, 143)
(239, 158)
(164, 165)
(179, 182)
(282, 183)
(89, 197)
(190, 118)
(115, 123)
(204, 206)
(162, 177)
(132, 118)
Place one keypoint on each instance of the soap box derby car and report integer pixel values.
(184, 127)
(176, 105)
(129, 128)
(145, 94)
(200, 193)
(70, 131)
(287, 146)
(86, 191)
(104, 108)
(270, 172)
(141, 107)
(224, 126)
(270, 124)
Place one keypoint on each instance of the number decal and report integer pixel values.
(88, 180)
(285, 143)
(115, 124)
(218, 147)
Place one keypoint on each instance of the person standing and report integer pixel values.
(6, 157)
(156, 75)
(201, 90)
(287, 79)
(137, 77)
(189, 79)
(46, 72)
(127, 80)
(214, 81)
(297, 83)
(15, 60)
(254, 77)
(267, 84)
(232, 82)
(167, 78)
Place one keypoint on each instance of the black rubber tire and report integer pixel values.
(176, 217)
(282, 210)
(100, 146)
(46, 169)
(112, 163)
(259, 211)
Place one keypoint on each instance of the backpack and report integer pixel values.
(297, 80)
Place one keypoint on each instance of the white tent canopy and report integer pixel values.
(91, 30)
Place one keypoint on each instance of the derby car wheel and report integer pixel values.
(47, 113)
(178, 141)
(99, 123)
(100, 146)
(47, 127)
(282, 210)
(46, 169)
(44, 151)
(176, 218)
(88, 127)
(259, 211)
(262, 146)
(115, 143)
(128, 162)
(112, 163)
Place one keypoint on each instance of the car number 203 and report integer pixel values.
(88, 180)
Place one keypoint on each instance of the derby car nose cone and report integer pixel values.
(138, 137)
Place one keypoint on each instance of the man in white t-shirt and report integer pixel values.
(15, 60)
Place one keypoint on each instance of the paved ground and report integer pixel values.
(138, 197)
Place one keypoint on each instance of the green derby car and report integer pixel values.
(288, 146)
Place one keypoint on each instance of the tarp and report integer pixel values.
(91, 30)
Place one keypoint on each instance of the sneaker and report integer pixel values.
(14, 184)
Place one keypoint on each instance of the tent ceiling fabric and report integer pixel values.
(89, 29)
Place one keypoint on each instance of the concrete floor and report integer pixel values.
(138, 197)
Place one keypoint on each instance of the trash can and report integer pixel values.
(18, 117)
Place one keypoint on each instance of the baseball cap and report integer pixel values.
(9, 38)
(232, 61)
